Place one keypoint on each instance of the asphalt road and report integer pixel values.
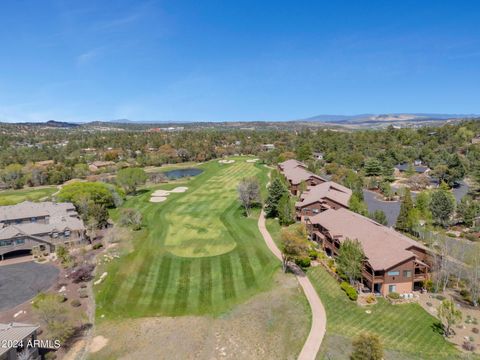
(21, 282)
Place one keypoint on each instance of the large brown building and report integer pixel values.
(321, 197)
(394, 262)
(28, 226)
(296, 174)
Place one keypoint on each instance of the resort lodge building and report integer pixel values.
(393, 262)
(41, 226)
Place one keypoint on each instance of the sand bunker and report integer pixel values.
(98, 343)
(252, 160)
(161, 193)
(179, 189)
(226, 161)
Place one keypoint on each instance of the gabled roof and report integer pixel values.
(418, 169)
(383, 246)
(28, 209)
(298, 174)
(331, 190)
(14, 332)
(290, 164)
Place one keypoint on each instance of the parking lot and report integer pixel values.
(22, 281)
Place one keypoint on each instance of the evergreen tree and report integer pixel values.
(356, 204)
(442, 206)
(404, 220)
(379, 216)
(286, 210)
(373, 167)
(276, 190)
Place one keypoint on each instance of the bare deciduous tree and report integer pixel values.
(249, 193)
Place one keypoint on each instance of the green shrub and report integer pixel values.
(428, 284)
(349, 290)
(303, 262)
(97, 245)
(313, 254)
(394, 295)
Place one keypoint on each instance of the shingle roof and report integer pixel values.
(383, 246)
(298, 174)
(418, 169)
(290, 164)
(28, 209)
(14, 332)
(331, 190)
(62, 216)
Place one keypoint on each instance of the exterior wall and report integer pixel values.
(400, 287)
(48, 242)
(404, 284)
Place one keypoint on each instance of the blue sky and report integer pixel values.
(236, 60)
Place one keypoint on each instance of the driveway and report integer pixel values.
(21, 282)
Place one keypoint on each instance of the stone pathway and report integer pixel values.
(319, 317)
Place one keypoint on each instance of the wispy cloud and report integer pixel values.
(118, 22)
(87, 57)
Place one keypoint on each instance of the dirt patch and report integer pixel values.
(272, 325)
(98, 343)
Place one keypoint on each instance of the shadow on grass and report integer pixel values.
(437, 327)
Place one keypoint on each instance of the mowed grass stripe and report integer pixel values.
(163, 279)
(227, 277)
(205, 293)
(183, 287)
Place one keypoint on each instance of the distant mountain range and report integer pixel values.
(383, 118)
(374, 120)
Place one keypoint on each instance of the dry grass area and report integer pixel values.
(271, 325)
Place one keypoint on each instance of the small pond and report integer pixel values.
(181, 173)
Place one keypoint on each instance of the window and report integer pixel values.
(393, 273)
(20, 241)
(6, 243)
(33, 219)
(67, 233)
(392, 288)
(315, 211)
(407, 273)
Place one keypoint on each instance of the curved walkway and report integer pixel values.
(319, 317)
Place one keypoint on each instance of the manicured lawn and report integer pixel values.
(12, 197)
(407, 328)
(196, 253)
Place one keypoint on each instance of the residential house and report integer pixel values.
(318, 198)
(39, 226)
(45, 163)
(268, 147)
(419, 169)
(296, 174)
(394, 262)
(17, 333)
(100, 165)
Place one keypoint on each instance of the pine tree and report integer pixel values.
(286, 210)
(276, 190)
(404, 217)
(373, 167)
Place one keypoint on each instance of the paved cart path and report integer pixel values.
(319, 317)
